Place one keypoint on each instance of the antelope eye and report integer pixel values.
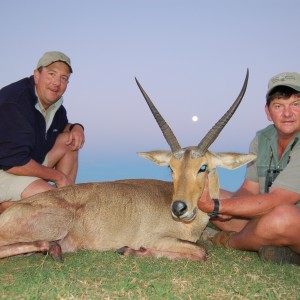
(202, 169)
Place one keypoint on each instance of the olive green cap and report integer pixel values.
(290, 79)
(53, 56)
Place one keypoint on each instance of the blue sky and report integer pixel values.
(190, 56)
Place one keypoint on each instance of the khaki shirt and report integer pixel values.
(264, 145)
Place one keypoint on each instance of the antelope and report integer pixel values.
(142, 217)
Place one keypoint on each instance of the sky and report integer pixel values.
(191, 58)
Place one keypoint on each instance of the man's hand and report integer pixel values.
(76, 138)
(206, 204)
(63, 180)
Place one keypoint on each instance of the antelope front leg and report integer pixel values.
(176, 250)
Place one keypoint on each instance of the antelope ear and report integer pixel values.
(159, 157)
(231, 160)
(213, 184)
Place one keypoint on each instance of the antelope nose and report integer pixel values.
(179, 208)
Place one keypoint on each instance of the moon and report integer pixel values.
(194, 118)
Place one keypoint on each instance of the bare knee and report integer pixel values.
(62, 151)
(36, 187)
(279, 220)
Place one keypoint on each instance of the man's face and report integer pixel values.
(285, 114)
(51, 83)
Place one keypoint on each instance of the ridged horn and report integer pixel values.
(211, 136)
(164, 127)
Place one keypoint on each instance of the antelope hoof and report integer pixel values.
(129, 251)
(122, 250)
(55, 252)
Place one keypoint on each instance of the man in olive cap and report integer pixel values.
(38, 145)
(264, 214)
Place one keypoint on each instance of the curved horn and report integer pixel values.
(164, 127)
(217, 128)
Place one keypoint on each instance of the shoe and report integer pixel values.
(221, 239)
(279, 255)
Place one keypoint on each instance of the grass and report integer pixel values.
(227, 274)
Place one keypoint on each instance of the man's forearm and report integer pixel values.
(32, 168)
(252, 206)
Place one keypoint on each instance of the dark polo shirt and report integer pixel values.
(23, 134)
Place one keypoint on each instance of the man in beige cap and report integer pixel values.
(38, 144)
(264, 214)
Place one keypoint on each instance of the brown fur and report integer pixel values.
(134, 215)
(102, 216)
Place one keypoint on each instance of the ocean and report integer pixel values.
(94, 169)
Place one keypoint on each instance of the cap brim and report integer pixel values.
(296, 88)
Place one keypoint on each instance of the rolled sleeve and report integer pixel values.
(251, 172)
(289, 178)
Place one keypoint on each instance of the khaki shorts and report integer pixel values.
(12, 186)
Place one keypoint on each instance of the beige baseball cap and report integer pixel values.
(53, 56)
(290, 79)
